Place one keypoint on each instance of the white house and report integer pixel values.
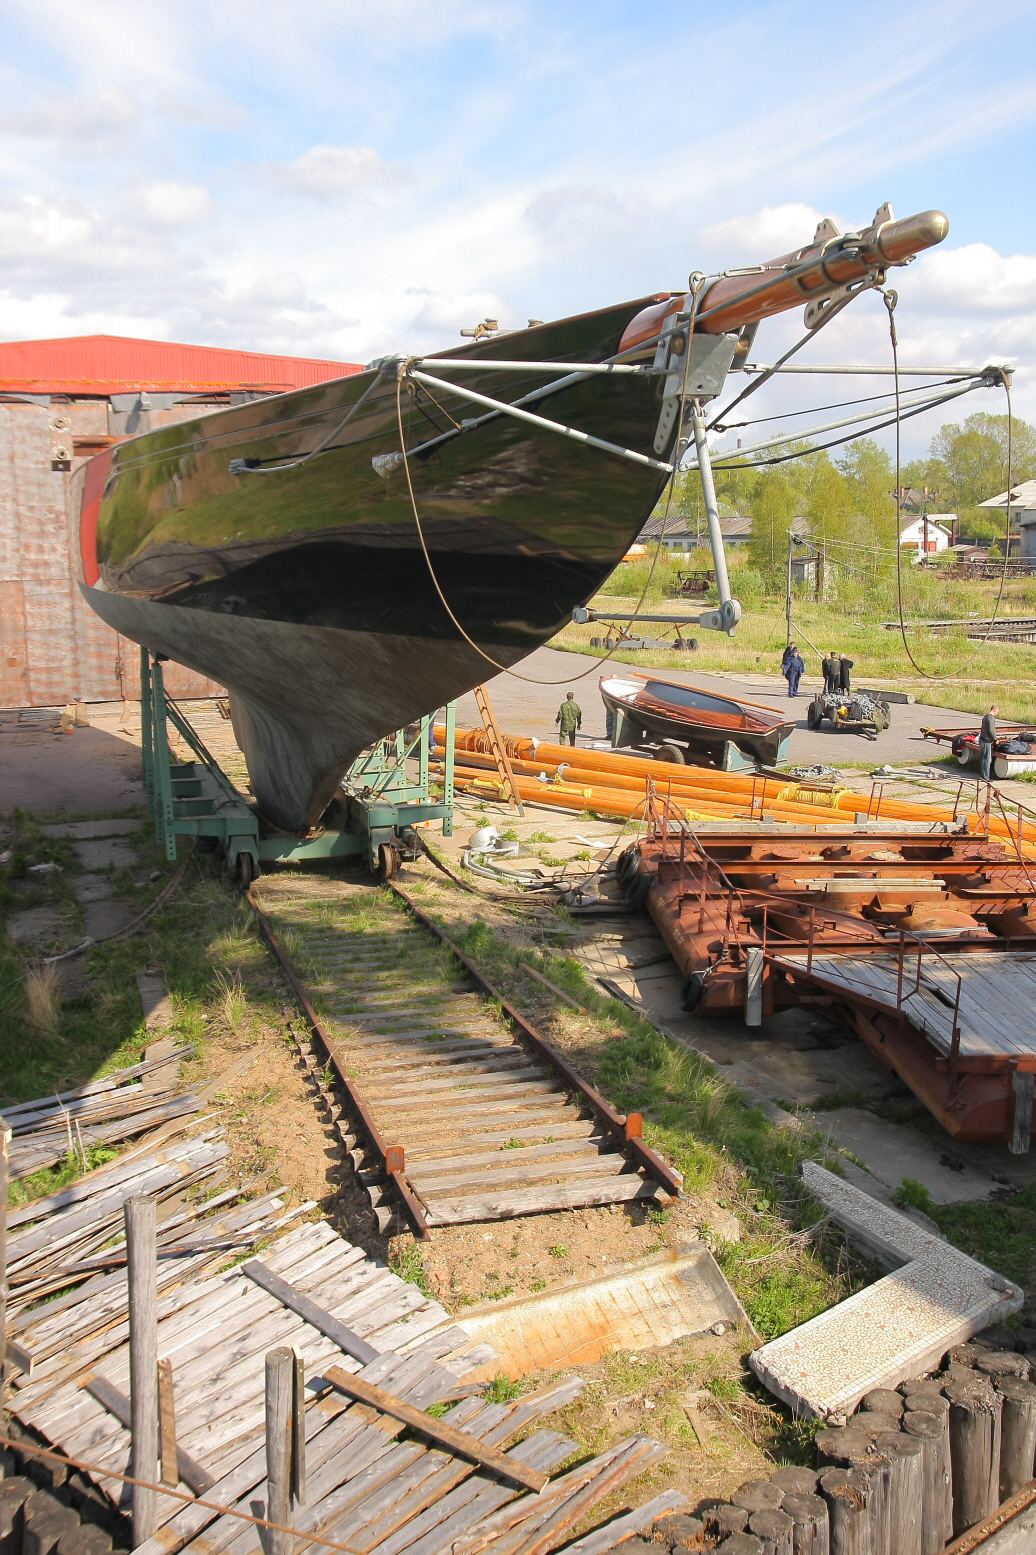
(928, 533)
(1023, 513)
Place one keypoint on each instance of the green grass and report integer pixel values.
(967, 672)
(999, 1232)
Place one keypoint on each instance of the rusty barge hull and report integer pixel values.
(925, 944)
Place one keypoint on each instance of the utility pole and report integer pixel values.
(792, 540)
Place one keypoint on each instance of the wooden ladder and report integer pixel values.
(496, 746)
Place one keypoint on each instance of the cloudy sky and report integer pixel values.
(340, 180)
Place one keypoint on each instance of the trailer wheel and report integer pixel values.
(667, 751)
(691, 992)
(815, 714)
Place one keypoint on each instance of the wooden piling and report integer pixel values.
(1017, 1434)
(905, 1456)
(849, 1500)
(937, 1477)
(811, 1530)
(280, 1389)
(142, 1278)
(975, 1451)
(876, 1468)
(775, 1531)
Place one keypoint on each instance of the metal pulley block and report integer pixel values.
(701, 375)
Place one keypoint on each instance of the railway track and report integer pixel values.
(452, 1106)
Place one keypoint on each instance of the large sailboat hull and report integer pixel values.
(300, 582)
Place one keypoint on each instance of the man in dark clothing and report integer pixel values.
(793, 671)
(830, 668)
(785, 656)
(845, 664)
(569, 718)
(987, 739)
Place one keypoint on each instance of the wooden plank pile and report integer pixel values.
(75, 1234)
(364, 1484)
(119, 1106)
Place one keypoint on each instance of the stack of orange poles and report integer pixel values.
(616, 784)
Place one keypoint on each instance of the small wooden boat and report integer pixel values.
(684, 723)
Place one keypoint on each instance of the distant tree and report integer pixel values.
(871, 478)
(974, 456)
(773, 514)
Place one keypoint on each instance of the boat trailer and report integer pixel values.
(373, 816)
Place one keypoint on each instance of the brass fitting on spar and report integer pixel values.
(832, 262)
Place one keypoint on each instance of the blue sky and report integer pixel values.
(341, 180)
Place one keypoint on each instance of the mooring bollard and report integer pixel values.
(142, 1278)
(280, 1394)
(975, 1451)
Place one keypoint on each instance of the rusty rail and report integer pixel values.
(391, 1157)
(626, 1128)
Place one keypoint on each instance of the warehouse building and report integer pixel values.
(62, 401)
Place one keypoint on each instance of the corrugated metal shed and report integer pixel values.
(53, 649)
(116, 364)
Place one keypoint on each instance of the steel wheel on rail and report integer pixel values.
(245, 870)
(388, 861)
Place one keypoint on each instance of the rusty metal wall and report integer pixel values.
(53, 649)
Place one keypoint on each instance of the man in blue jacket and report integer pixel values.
(793, 668)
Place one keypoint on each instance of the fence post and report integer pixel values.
(280, 1391)
(142, 1278)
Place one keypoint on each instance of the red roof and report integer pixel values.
(115, 364)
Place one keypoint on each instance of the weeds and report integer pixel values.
(230, 1000)
(43, 997)
(502, 1390)
(406, 1261)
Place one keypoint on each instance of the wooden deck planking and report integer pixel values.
(997, 1013)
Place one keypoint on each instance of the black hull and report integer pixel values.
(305, 591)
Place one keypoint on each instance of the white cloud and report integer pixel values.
(213, 111)
(164, 203)
(328, 172)
(765, 234)
(445, 314)
(976, 277)
(84, 123)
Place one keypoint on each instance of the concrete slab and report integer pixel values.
(104, 852)
(90, 769)
(653, 1302)
(893, 1151)
(34, 925)
(91, 888)
(164, 1075)
(124, 826)
(102, 919)
(154, 999)
(899, 1327)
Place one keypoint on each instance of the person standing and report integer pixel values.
(569, 718)
(845, 664)
(786, 656)
(794, 671)
(830, 668)
(987, 739)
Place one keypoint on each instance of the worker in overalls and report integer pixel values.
(569, 718)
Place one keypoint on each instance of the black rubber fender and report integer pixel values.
(636, 890)
(627, 862)
(691, 992)
(957, 745)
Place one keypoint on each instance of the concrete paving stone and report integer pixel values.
(73, 978)
(91, 888)
(102, 919)
(893, 1151)
(34, 925)
(154, 999)
(899, 1327)
(103, 852)
(83, 830)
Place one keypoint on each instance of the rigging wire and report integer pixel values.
(696, 284)
(890, 299)
(814, 410)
